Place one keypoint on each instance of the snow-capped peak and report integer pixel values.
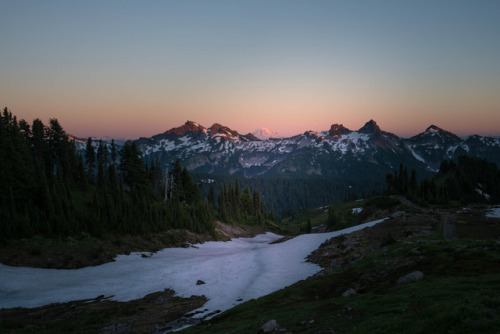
(265, 133)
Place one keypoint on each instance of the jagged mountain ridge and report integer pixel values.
(435, 144)
(337, 153)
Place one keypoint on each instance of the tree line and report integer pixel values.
(468, 180)
(287, 196)
(245, 205)
(48, 188)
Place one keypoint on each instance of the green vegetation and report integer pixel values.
(289, 196)
(245, 205)
(458, 294)
(340, 215)
(470, 180)
(48, 189)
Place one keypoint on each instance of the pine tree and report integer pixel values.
(332, 217)
(133, 169)
(211, 195)
(90, 159)
(247, 201)
(102, 162)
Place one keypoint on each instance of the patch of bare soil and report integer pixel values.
(228, 232)
(84, 251)
(152, 314)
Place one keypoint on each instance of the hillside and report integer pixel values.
(361, 287)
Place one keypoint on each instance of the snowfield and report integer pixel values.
(233, 271)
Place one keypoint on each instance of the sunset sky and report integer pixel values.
(138, 68)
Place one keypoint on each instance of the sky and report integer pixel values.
(138, 68)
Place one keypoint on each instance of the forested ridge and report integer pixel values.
(49, 189)
(287, 196)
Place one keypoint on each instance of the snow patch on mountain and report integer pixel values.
(418, 157)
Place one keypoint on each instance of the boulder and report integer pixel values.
(349, 293)
(414, 276)
(270, 326)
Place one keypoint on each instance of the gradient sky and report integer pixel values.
(138, 68)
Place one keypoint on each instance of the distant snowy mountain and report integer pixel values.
(265, 133)
(435, 145)
(368, 153)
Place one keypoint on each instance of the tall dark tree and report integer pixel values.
(102, 163)
(211, 195)
(133, 168)
(90, 158)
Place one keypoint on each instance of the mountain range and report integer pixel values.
(367, 153)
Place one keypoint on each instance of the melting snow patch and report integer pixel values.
(233, 271)
(357, 210)
(482, 193)
(494, 213)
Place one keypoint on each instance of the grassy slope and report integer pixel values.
(458, 294)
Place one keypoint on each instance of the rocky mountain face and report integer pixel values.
(435, 144)
(368, 153)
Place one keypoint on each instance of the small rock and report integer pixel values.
(349, 293)
(270, 326)
(414, 276)
(346, 309)
(200, 282)
(416, 250)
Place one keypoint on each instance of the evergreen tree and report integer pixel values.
(332, 219)
(211, 196)
(247, 201)
(102, 163)
(90, 158)
(133, 169)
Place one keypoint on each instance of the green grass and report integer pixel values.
(319, 216)
(458, 294)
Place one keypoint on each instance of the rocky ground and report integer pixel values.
(155, 313)
(343, 250)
